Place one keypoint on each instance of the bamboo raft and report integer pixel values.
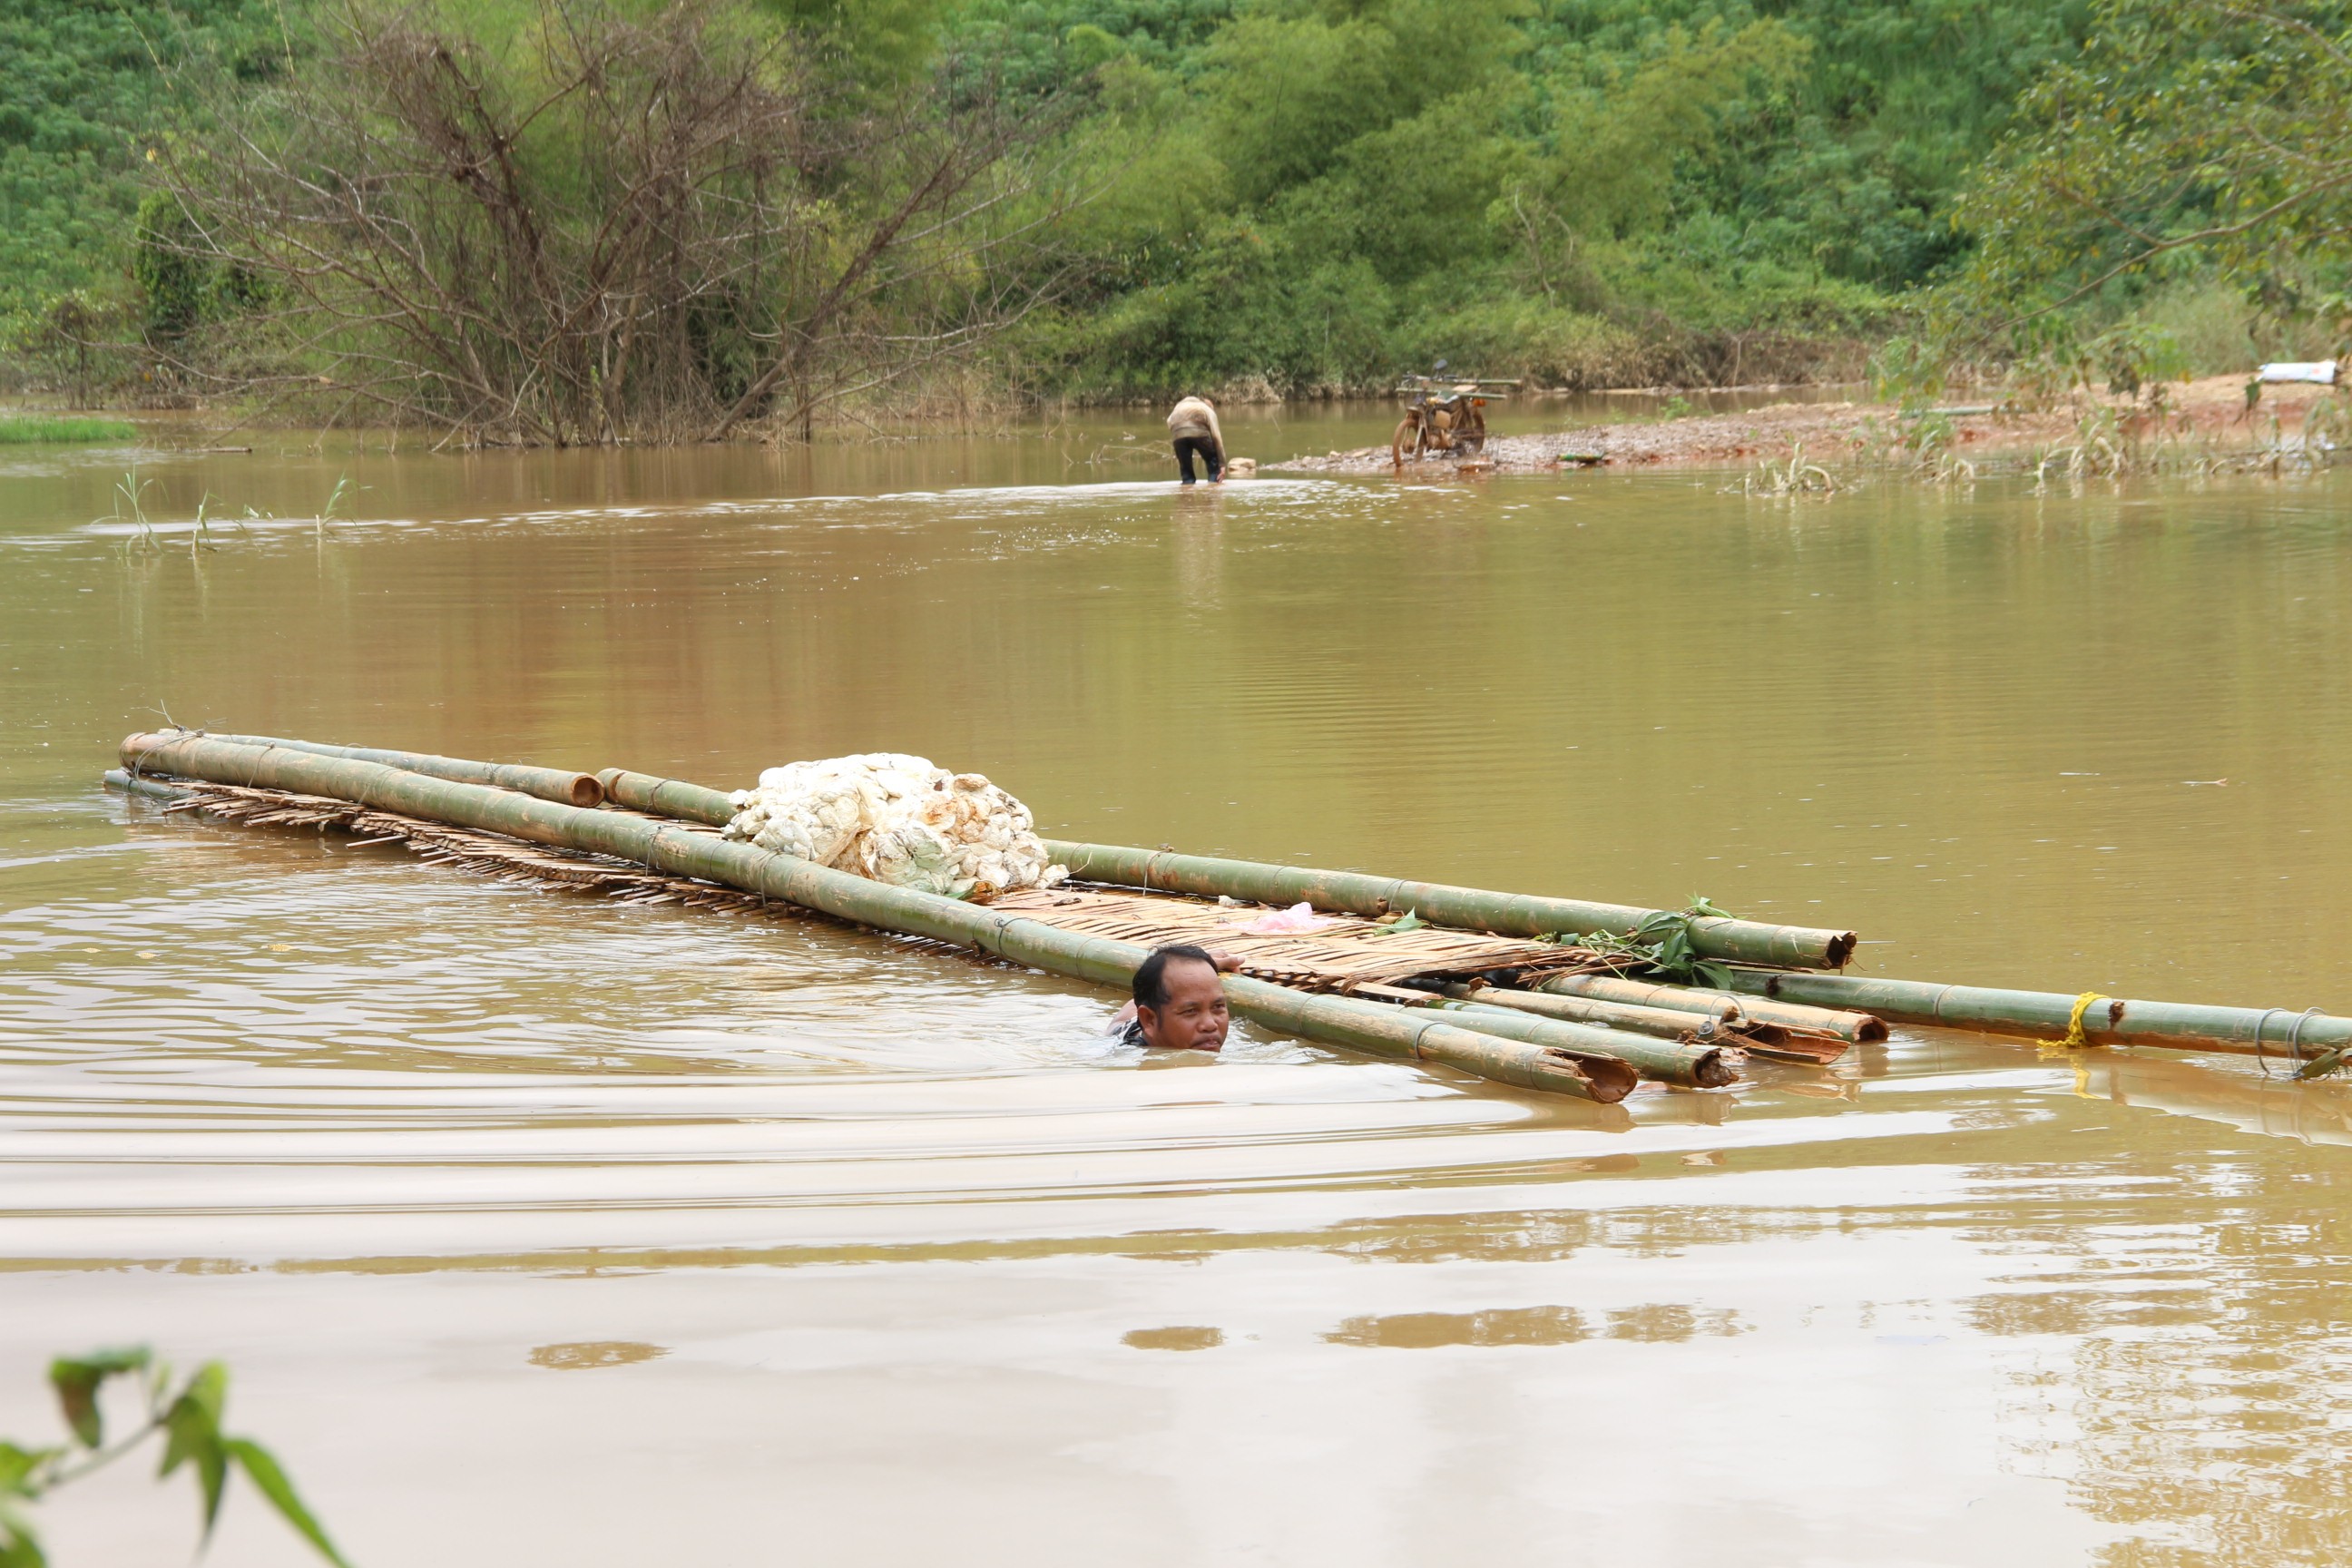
(1496, 984)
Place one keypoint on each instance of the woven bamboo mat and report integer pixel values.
(1343, 952)
(484, 854)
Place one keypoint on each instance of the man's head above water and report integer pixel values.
(1180, 1002)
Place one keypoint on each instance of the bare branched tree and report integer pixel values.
(612, 231)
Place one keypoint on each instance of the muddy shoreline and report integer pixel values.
(2212, 410)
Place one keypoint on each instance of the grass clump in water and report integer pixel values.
(35, 429)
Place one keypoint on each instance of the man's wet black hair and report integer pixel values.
(1151, 976)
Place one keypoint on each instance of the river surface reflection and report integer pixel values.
(541, 1229)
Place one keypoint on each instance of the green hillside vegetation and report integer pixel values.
(1580, 191)
(2173, 200)
(1303, 197)
(84, 89)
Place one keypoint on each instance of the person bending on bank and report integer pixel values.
(1180, 1002)
(1193, 424)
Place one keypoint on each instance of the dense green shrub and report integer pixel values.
(85, 88)
(1323, 193)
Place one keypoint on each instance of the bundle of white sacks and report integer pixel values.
(898, 819)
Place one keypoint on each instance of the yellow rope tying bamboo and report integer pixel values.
(2075, 1039)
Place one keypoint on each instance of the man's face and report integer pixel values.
(1193, 1017)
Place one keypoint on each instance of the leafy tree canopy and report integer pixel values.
(2204, 138)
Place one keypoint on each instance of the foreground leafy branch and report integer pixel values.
(185, 1413)
(1663, 944)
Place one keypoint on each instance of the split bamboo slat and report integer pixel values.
(2106, 1020)
(1341, 953)
(483, 854)
(1534, 1053)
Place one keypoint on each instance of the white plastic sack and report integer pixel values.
(2321, 371)
(898, 819)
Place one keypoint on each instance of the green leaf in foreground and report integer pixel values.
(192, 1436)
(187, 1414)
(77, 1380)
(2320, 1066)
(262, 1468)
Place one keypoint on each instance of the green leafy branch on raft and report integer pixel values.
(186, 1414)
(1663, 945)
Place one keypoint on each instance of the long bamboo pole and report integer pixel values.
(547, 783)
(668, 797)
(2114, 1021)
(1692, 1066)
(1473, 909)
(1663, 1022)
(1769, 1040)
(1505, 914)
(1561, 1061)
(2106, 1020)
(1852, 1027)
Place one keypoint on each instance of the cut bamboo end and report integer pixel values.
(1663, 1022)
(1853, 1027)
(565, 788)
(1774, 1043)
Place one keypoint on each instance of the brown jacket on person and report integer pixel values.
(1193, 416)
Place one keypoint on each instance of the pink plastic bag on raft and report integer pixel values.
(1296, 920)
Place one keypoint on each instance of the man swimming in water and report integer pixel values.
(1180, 1001)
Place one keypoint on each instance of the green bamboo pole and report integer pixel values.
(547, 783)
(2107, 1020)
(1473, 909)
(1560, 1064)
(1852, 1027)
(668, 797)
(1769, 1040)
(1692, 1067)
(2185, 1027)
(1665, 1023)
(128, 783)
(1696, 1067)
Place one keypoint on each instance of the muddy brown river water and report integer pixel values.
(539, 1230)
